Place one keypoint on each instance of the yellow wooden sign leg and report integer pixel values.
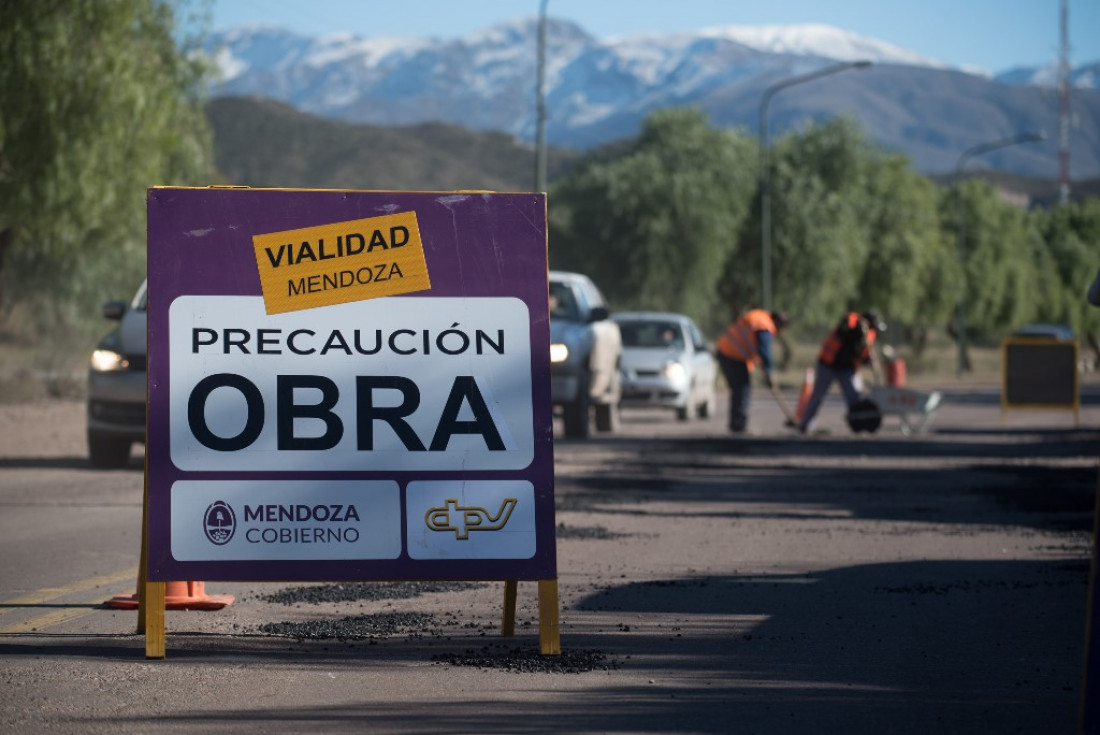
(151, 616)
(154, 620)
(143, 577)
(508, 621)
(549, 634)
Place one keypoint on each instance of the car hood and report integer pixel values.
(649, 358)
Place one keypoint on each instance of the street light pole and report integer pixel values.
(540, 104)
(765, 173)
(960, 231)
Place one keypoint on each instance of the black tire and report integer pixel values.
(684, 413)
(576, 414)
(607, 417)
(108, 452)
(864, 416)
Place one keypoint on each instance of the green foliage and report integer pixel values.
(655, 226)
(815, 241)
(997, 243)
(1070, 235)
(852, 227)
(910, 270)
(101, 101)
(855, 228)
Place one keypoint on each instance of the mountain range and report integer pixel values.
(599, 90)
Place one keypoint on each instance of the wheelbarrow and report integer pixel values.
(916, 409)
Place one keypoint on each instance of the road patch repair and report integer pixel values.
(841, 583)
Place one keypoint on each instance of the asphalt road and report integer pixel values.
(764, 584)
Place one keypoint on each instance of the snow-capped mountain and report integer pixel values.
(599, 90)
(823, 41)
(1081, 77)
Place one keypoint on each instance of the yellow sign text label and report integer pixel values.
(341, 262)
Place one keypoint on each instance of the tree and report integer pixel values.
(997, 244)
(100, 103)
(1070, 234)
(820, 226)
(910, 273)
(655, 226)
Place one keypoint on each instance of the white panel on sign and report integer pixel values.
(472, 519)
(400, 383)
(221, 520)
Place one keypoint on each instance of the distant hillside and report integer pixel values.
(263, 143)
(599, 91)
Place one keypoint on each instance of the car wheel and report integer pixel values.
(108, 452)
(575, 414)
(683, 413)
(607, 417)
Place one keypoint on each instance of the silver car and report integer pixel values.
(116, 385)
(666, 363)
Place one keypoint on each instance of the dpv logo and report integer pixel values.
(219, 522)
(466, 518)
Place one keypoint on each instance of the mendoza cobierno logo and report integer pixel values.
(219, 522)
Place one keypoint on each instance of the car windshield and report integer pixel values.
(651, 334)
(563, 305)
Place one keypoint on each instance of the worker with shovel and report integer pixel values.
(749, 341)
(845, 351)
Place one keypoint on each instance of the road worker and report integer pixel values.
(748, 341)
(845, 351)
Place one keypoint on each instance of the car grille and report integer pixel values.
(123, 414)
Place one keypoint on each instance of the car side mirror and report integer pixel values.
(114, 310)
(598, 314)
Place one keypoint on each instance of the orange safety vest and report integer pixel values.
(833, 343)
(739, 341)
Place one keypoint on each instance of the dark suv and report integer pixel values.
(116, 385)
(586, 351)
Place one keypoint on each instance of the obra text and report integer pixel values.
(369, 410)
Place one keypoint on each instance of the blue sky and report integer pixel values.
(987, 35)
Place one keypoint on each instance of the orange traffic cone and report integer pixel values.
(804, 396)
(177, 596)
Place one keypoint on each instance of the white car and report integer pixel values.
(667, 363)
(116, 385)
(585, 355)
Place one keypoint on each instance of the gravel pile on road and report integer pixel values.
(356, 591)
(529, 660)
(358, 627)
(587, 532)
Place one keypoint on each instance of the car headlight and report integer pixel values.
(558, 352)
(108, 361)
(675, 371)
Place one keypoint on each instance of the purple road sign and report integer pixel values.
(348, 385)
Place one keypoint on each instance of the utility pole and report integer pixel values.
(1063, 108)
(540, 104)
